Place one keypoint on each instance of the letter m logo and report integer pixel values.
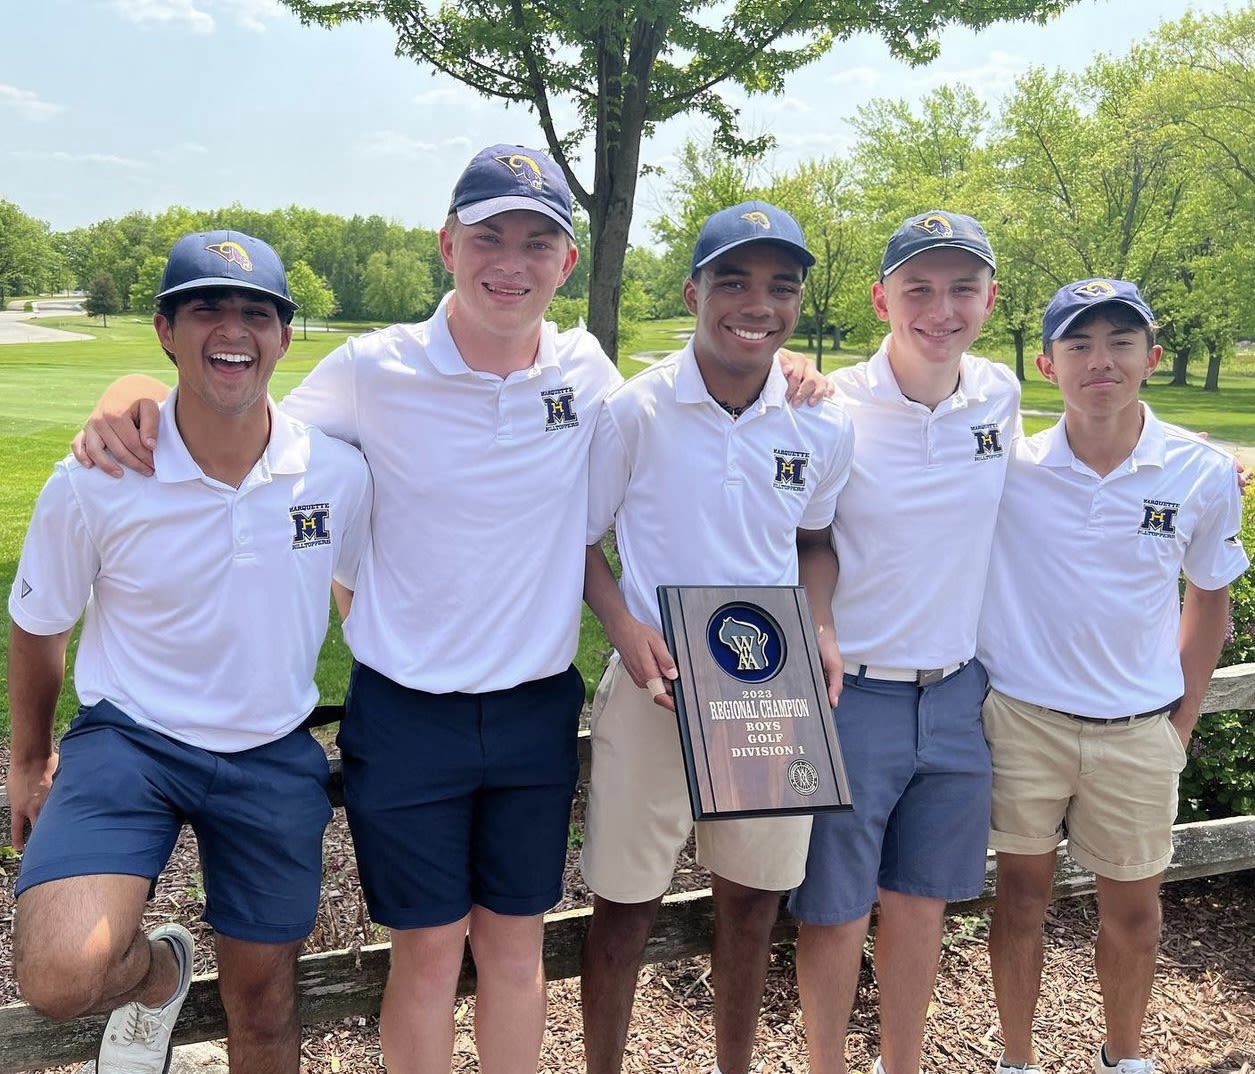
(310, 525)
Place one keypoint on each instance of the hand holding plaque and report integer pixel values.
(752, 704)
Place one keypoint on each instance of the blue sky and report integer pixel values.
(112, 105)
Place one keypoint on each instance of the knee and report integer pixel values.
(1021, 902)
(746, 910)
(59, 990)
(619, 931)
(59, 984)
(1136, 925)
(260, 1007)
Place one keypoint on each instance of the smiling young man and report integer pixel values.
(206, 595)
(686, 466)
(1098, 666)
(932, 425)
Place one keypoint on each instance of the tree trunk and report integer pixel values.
(1017, 334)
(1180, 358)
(622, 107)
(1212, 383)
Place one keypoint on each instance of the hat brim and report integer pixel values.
(283, 301)
(1142, 311)
(966, 247)
(800, 252)
(480, 211)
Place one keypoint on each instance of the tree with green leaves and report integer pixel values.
(29, 262)
(143, 293)
(630, 66)
(820, 197)
(103, 298)
(397, 286)
(311, 293)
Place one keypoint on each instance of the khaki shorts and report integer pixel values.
(1114, 786)
(639, 815)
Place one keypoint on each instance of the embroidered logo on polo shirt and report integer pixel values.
(988, 441)
(560, 408)
(312, 522)
(791, 469)
(26, 589)
(1159, 518)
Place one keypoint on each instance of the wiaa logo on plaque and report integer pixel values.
(746, 643)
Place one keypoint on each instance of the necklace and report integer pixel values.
(735, 411)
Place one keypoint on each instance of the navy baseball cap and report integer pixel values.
(934, 229)
(1073, 299)
(751, 221)
(226, 259)
(505, 177)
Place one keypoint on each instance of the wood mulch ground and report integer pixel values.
(1202, 1015)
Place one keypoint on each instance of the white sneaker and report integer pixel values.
(1121, 1066)
(878, 1067)
(137, 1039)
(1016, 1068)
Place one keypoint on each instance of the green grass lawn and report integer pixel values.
(47, 389)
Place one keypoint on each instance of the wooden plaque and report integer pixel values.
(755, 725)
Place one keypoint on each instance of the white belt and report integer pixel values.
(919, 676)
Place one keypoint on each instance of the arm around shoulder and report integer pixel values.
(122, 428)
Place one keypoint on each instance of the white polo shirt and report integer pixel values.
(698, 498)
(915, 524)
(475, 570)
(1083, 607)
(206, 605)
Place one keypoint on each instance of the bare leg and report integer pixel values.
(510, 1002)
(78, 947)
(416, 1016)
(908, 947)
(828, 960)
(257, 982)
(1129, 920)
(744, 918)
(1015, 946)
(611, 962)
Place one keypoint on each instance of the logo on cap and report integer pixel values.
(524, 168)
(758, 219)
(936, 225)
(232, 253)
(1094, 289)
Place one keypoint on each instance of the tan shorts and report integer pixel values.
(1115, 787)
(639, 815)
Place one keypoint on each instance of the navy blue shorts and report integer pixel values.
(122, 792)
(459, 800)
(920, 779)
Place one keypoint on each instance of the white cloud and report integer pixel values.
(180, 152)
(393, 144)
(166, 12)
(861, 77)
(194, 15)
(251, 14)
(991, 79)
(27, 104)
(60, 156)
(784, 104)
(446, 95)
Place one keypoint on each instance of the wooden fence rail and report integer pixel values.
(338, 984)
